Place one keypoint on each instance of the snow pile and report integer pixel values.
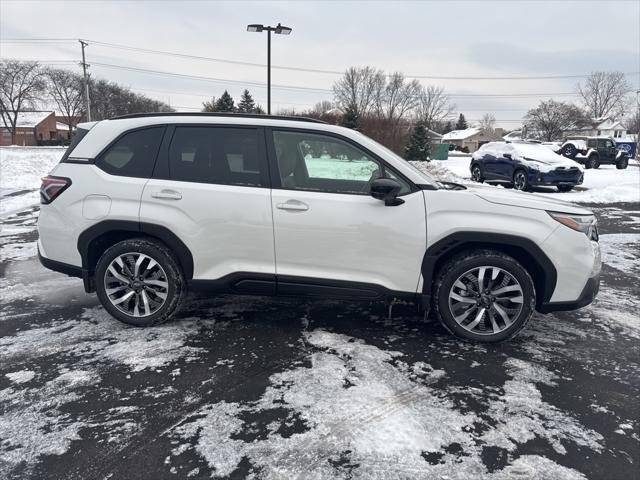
(21, 169)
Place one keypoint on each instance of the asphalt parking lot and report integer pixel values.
(251, 387)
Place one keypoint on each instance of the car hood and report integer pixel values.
(515, 198)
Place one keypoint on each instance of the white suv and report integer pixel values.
(144, 206)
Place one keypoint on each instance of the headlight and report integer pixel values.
(580, 223)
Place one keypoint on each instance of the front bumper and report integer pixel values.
(587, 296)
(553, 179)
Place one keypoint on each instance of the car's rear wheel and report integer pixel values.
(565, 188)
(140, 282)
(476, 173)
(569, 151)
(484, 296)
(520, 180)
(622, 164)
(593, 161)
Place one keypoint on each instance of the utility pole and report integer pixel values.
(269, 71)
(86, 81)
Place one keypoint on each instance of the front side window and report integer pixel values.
(311, 161)
(134, 154)
(220, 155)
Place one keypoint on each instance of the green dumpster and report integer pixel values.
(439, 151)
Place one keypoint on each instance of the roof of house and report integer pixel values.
(607, 124)
(31, 119)
(63, 126)
(461, 134)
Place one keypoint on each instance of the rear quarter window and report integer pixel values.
(77, 138)
(133, 154)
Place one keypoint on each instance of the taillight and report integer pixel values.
(52, 187)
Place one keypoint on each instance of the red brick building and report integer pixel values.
(31, 127)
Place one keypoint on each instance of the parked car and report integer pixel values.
(144, 207)
(524, 165)
(595, 151)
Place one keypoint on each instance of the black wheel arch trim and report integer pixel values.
(456, 242)
(125, 226)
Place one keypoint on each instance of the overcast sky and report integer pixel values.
(430, 38)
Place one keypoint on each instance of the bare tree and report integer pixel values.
(21, 84)
(397, 98)
(357, 88)
(632, 124)
(487, 123)
(550, 120)
(66, 90)
(434, 106)
(605, 93)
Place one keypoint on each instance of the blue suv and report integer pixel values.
(524, 165)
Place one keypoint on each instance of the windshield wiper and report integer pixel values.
(451, 185)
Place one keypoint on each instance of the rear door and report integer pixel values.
(211, 188)
(327, 226)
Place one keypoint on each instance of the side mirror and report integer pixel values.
(507, 155)
(386, 189)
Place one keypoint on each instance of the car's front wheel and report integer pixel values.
(476, 173)
(140, 282)
(622, 164)
(520, 180)
(484, 296)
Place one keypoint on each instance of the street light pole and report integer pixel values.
(280, 30)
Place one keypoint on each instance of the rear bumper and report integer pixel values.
(70, 270)
(587, 296)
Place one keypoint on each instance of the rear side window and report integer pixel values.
(134, 154)
(77, 138)
(220, 155)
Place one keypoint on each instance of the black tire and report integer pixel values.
(622, 164)
(521, 180)
(569, 151)
(593, 161)
(461, 263)
(565, 188)
(476, 173)
(170, 267)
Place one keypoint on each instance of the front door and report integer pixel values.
(328, 227)
(211, 189)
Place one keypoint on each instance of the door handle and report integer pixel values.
(293, 205)
(167, 195)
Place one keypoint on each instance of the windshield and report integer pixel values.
(430, 179)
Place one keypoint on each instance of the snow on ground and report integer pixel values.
(606, 184)
(622, 251)
(21, 169)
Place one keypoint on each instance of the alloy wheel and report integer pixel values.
(136, 284)
(476, 175)
(486, 300)
(520, 181)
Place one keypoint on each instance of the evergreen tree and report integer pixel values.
(461, 124)
(247, 104)
(418, 147)
(350, 119)
(448, 127)
(225, 103)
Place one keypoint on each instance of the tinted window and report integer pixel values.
(310, 161)
(134, 154)
(225, 156)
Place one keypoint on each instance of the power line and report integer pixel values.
(292, 68)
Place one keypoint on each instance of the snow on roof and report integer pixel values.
(460, 134)
(433, 134)
(62, 126)
(31, 119)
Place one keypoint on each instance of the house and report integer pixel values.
(31, 127)
(63, 125)
(471, 138)
(602, 127)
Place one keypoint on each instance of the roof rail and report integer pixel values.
(218, 114)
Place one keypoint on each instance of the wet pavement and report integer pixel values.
(252, 387)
